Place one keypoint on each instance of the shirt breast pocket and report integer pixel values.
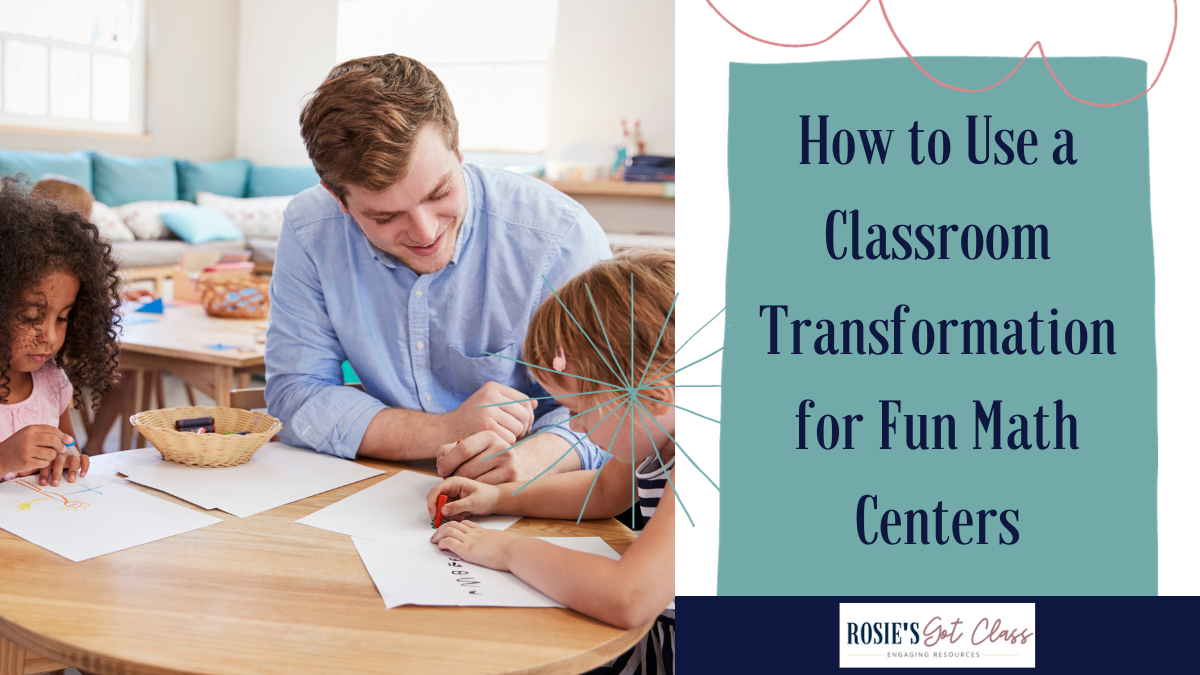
(466, 374)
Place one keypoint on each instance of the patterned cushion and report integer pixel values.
(142, 217)
(110, 224)
(255, 216)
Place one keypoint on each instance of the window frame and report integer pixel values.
(135, 126)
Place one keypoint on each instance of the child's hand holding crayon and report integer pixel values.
(45, 449)
(465, 498)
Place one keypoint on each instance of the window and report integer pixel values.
(495, 65)
(72, 64)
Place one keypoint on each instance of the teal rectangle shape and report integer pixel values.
(1087, 517)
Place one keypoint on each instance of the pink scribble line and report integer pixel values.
(1036, 45)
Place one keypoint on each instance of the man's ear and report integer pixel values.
(341, 204)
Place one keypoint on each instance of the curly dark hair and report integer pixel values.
(38, 238)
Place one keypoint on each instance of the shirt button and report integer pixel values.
(428, 397)
(419, 293)
(420, 346)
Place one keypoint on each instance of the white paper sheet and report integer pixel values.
(104, 467)
(90, 517)
(277, 474)
(391, 512)
(436, 577)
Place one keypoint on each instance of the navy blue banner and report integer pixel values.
(1129, 634)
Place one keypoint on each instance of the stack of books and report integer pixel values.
(649, 169)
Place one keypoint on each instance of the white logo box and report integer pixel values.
(947, 635)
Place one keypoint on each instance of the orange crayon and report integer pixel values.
(437, 517)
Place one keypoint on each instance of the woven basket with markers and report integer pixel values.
(234, 296)
(230, 436)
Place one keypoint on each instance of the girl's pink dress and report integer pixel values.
(47, 402)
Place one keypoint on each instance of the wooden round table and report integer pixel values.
(265, 594)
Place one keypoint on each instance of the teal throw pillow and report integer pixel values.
(74, 165)
(200, 224)
(280, 181)
(120, 180)
(227, 178)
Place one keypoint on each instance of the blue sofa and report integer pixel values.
(117, 180)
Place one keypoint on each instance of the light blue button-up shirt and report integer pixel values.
(416, 341)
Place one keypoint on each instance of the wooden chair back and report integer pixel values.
(249, 399)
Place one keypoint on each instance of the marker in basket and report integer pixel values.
(437, 517)
(195, 424)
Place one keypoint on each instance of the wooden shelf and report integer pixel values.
(609, 188)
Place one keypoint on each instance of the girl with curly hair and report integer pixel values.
(59, 293)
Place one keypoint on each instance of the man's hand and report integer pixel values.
(480, 413)
(33, 447)
(469, 458)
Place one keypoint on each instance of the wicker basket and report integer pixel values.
(234, 296)
(158, 427)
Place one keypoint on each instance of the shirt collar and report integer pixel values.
(468, 224)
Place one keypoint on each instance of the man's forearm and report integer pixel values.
(401, 434)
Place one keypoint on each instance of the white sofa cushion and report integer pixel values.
(111, 227)
(254, 216)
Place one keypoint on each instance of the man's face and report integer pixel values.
(416, 220)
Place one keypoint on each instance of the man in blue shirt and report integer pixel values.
(414, 267)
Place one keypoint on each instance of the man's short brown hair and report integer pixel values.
(361, 125)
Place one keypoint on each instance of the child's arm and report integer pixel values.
(556, 496)
(626, 593)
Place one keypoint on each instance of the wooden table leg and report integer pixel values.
(145, 389)
(115, 402)
(224, 384)
(14, 660)
(130, 408)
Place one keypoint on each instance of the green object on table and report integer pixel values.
(348, 374)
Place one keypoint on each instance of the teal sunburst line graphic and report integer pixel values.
(685, 342)
(627, 397)
(678, 407)
(582, 393)
(654, 352)
(609, 456)
(581, 330)
(568, 449)
(643, 413)
(544, 429)
(718, 350)
(625, 380)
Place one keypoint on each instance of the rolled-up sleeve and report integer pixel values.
(304, 361)
(591, 455)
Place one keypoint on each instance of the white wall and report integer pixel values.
(612, 59)
(191, 88)
(287, 48)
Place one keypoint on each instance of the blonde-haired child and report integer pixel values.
(593, 378)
